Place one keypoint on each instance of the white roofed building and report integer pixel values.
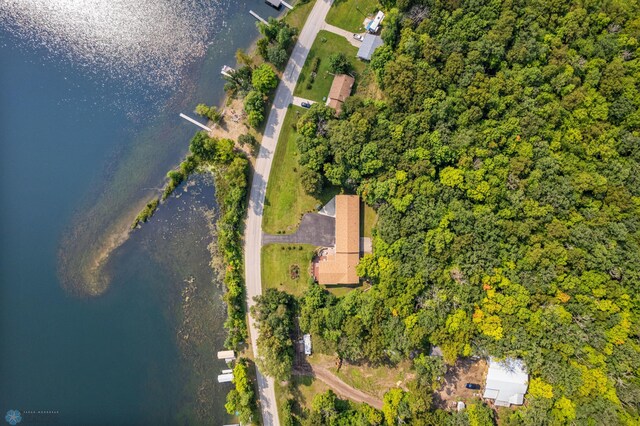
(307, 344)
(507, 382)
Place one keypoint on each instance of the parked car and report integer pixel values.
(472, 386)
(305, 104)
(358, 37)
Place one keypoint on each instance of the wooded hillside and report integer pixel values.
(504, 164)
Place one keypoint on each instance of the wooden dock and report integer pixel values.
(197, 123)
(287, 5)
(255, 15)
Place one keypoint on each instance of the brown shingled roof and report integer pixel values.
(341, 87)
(340, 91)
(340, 267)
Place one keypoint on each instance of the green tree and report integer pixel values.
(254, 107)
(273, 314)
(264, 78)
(339, 64)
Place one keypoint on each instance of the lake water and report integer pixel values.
(90, 92)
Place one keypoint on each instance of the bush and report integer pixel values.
(247, 140)
(315, 64)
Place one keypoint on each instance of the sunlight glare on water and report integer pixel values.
(148, 41)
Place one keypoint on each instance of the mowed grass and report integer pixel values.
(286, 201)
(368, 219)
(350, 14)
(375, 381)
(325, 45)
(277, 261)
(298, 16)
(302, 390)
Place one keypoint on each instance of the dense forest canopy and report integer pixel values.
(504, 163)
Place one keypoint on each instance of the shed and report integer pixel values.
(507, 382)
(369, 45)
(307, 344)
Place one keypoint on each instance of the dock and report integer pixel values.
(225, 378)
(287, 5)
(226, 71)
(228, 356)
(197, 123)
(255, 15)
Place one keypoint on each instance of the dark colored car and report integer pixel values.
(472, 386)
(305, 104)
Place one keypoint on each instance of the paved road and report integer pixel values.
(253, 232)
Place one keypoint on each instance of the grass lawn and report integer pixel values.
(368, 218)
(375, 381)
(340, 290)
(301, 390)
(298, 16)
(286, 201)
(325, 44)
(349, 14)
(277, 261)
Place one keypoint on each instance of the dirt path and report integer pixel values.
(341, 388)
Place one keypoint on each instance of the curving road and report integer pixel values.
(253, 231)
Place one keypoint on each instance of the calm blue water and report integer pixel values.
(85, 131)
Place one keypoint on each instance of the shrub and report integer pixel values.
(315, 64)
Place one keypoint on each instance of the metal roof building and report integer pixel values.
(307, 344)
(507, 382)
(369, 45)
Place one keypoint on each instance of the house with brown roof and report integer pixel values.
(340, 91)
(338, 265)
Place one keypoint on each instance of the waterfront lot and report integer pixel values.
(350, 14)
(286, 201)
(279, 264)
(325, 45)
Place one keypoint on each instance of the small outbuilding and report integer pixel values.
(307, 344)
(340, 91)
(369, 45)
(507, 382)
